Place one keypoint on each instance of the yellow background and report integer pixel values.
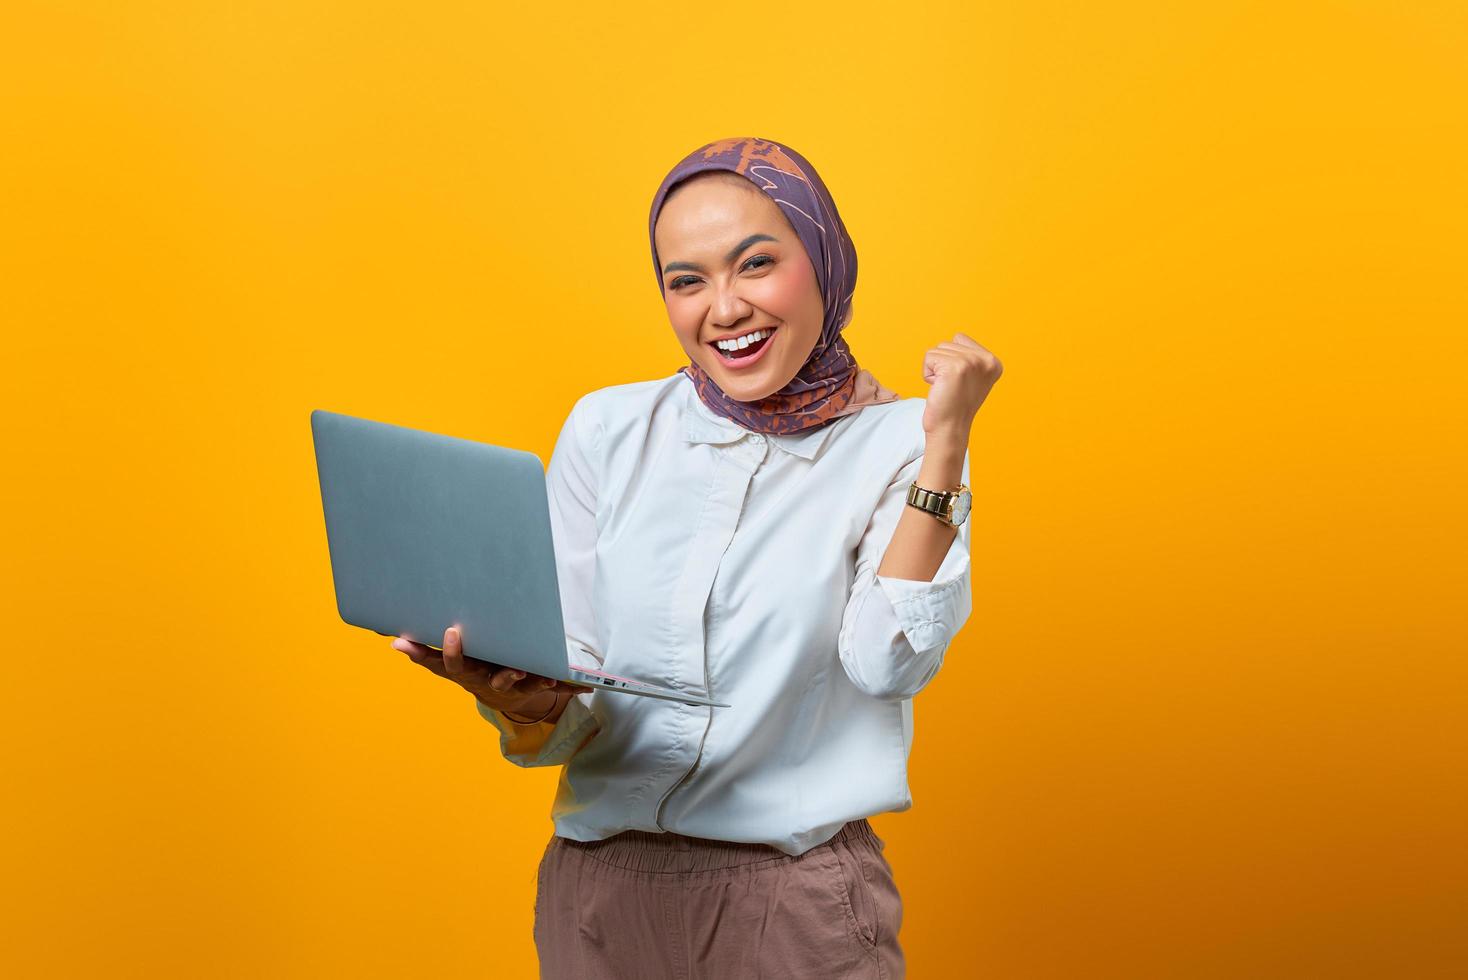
(1207, 720)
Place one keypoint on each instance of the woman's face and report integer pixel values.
(733, 267)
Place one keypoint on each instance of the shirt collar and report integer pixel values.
(701, 424)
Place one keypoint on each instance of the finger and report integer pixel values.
(937, 361)
(538, 683)
(531, 683)
(505, 678)
(412, 648)
(431, 660)
(421, 654)
(453, 652)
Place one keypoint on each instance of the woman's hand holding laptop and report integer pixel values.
(500, 688)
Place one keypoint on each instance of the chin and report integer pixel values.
(742, 389)
(750, 396)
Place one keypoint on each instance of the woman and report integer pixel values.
(742, 529)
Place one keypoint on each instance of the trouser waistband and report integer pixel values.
(641, 850)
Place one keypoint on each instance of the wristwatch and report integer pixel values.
(949, 506)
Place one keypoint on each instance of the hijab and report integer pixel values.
(829, 384)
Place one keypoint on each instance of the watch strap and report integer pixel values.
(939, 503)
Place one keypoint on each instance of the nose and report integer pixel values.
(728, 307)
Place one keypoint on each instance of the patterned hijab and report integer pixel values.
(829, 384)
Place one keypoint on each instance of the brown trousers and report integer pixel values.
(645, 906)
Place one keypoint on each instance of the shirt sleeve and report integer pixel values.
(896, 631)
(571, 491)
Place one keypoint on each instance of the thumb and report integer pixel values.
(935, 364)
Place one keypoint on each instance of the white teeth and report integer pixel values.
(739, 343)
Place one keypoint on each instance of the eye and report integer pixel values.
(747, 265)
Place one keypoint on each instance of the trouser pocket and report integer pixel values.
(861, 907)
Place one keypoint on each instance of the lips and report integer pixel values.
(749, 356)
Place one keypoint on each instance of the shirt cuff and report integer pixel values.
(544, 743)
(931, 613)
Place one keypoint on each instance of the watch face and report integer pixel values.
(961, 505)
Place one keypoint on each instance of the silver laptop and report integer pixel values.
(427, 530)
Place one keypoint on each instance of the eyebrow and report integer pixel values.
(733, 253)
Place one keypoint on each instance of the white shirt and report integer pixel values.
(699, 555)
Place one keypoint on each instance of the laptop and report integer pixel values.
(427, 530)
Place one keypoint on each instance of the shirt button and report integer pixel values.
(756, 439)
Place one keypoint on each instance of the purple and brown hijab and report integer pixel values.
(829, 384)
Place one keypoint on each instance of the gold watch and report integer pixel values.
(949, 506)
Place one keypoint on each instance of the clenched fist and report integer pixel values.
(961, 373)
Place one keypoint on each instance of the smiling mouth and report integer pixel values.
(750, 350)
